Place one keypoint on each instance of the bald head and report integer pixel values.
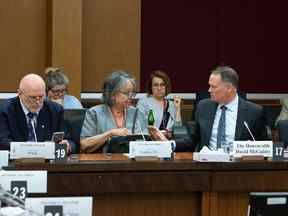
(32, 92)
(30, 82)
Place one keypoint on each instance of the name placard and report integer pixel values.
(36, 180)
(20, 150)
(4, 158)
(60, 205)
(252, 148)
(160, 149)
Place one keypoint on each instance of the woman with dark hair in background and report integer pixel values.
(57, 86)
(167, 113)
(115, 117)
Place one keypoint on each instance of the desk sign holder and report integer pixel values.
(19, 189)
(252, 148)
(60, 205)
(20, 182)
(44, 150)
(278, 151)
(151, 149)
(60, 153)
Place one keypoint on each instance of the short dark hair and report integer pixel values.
(113, 83)
(162, 75)
(227, 74)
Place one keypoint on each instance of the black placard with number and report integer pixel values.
(53, 210)
(278, 151)
(60, 152)
(19, 189)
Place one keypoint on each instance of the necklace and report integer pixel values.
(118, 117)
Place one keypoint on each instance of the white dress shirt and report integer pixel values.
(230, 123)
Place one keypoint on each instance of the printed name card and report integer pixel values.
(20, 150)
(76, 206)
(252, 148)
(4, 158)
(160, 149)
(36, 181)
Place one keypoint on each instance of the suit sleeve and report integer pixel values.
(260, 127)
(5, 134)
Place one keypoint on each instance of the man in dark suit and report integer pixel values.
(224, 109)
(30, 109)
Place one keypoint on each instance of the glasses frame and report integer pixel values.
(129, 94)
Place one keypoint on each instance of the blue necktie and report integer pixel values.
(221, 128)
(31, 136)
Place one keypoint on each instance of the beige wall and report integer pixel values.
(87, 38)
(111, 40)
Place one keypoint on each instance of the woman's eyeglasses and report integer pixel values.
(158, 85)
(58, 91)
(129, 94)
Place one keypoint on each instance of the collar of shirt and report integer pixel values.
(231, 106)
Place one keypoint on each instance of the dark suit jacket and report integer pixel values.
(247, 111)
(13, 123)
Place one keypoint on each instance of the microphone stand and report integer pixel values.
(12, 200)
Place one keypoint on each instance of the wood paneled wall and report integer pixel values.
(23, 40)
(111, 40)
(86, 38)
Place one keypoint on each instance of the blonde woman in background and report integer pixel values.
(57, 87)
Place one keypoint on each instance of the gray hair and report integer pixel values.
(227, 74)
(55, 76)
(114, 83)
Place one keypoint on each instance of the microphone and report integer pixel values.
(247, 127)
(141, 131)
(10, 199)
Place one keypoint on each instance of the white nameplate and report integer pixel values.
(36, 180)
(252, 148)
(70, 205)
(32, 150)
(160, 149)
(4, 158)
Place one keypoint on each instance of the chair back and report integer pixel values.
(283, 132)
(73, 120)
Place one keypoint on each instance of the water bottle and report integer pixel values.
(151, 119)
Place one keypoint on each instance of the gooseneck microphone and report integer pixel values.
(247, 127)
(141, 131)
(11, 199)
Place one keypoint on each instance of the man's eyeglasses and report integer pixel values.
(34, 98)
(129, 94)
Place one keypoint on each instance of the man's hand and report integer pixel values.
(69, 148)
(156, 134)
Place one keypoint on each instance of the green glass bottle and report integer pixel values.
(151, 119)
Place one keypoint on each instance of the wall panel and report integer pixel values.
(111, 40)
(23, 40)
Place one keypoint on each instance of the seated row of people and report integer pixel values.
(218, 119)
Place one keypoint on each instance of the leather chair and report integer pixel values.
(73, 120)
(283, 132)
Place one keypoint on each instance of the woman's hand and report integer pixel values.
(177, 102)
(119, 132)
(59, 101)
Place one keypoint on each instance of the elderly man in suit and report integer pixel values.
(221, 118)
(29, 116)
